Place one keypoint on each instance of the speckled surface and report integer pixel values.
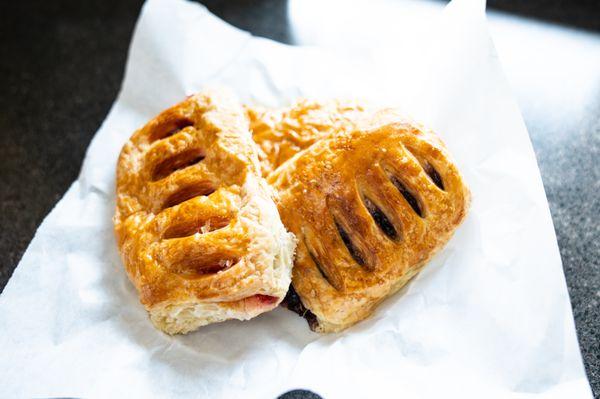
(61, 64)
(571, 174)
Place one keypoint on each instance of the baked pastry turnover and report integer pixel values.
(195, 222)
(369, 208)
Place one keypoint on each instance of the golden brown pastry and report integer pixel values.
(198, 230)
(282, 133)
(369, 208)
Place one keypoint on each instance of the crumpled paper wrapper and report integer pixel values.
(489, 317)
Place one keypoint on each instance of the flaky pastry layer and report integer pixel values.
(283, 132)
(369, 208)
(196, 225)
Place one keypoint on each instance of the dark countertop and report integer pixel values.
(62, 62)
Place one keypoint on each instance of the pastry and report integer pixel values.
(195, 222)
(282, 133)
(369, 208)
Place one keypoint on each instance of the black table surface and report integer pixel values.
(61, 66)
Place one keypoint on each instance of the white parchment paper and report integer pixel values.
(488, 318)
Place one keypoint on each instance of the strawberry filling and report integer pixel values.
(265, 299)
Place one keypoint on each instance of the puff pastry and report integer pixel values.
(369, 208)
(282, 133)
(196, 225)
